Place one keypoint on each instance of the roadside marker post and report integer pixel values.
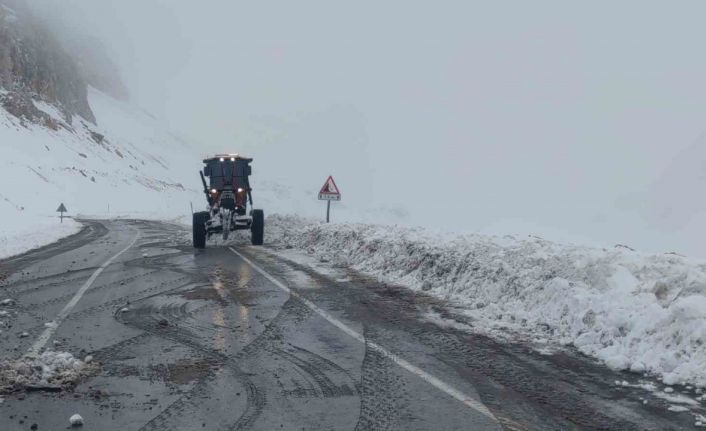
(329, 192)
(62, 209)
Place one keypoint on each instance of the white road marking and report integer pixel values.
(51, 329)
(440, 385)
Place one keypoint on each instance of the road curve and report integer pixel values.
(237, 338)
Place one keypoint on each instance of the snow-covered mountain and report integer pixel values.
(34, 65)
(126, 165)
(127, 162)
(63, 141)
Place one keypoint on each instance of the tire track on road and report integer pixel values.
(472, 403)
(268, 342)
(49, 331)
(380, 393)
(94, 289)
(15, 289)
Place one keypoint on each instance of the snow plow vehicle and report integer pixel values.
(228, 194)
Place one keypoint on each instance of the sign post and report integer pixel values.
(62, 209)
(329, 192)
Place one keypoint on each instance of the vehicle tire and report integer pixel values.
(199, 228)
(226, 227)
(258, 227)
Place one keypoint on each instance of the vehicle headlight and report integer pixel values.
(214, 191)
(240, 190)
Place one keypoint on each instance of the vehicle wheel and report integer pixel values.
(199, 228)
(226, 227)
(258, 227)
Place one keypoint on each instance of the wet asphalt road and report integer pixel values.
(190, 340)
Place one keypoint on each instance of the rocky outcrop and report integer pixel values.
(21, 106)
(33, 65)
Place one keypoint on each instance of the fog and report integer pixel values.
(577, 122)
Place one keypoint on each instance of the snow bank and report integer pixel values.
(50, 368)
(645, 313)
(25, 232)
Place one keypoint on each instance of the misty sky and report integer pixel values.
(564, 119)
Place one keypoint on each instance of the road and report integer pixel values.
(239, 338)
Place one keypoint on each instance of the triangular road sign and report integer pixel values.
(329, 191)
(62, 209)
(330, 187)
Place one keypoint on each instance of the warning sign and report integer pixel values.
(330, 192)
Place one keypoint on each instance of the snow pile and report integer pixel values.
(645, 313)
(76, 420)
(30, 231)
(59, 369)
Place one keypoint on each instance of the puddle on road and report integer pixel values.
(234, 287)
(233, 299)
(185, 371)
(219, 339)
(181, 372)
(206, 293)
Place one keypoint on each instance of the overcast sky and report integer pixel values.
(570, 120)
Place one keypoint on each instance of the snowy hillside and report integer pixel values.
(63, 142)
(644, 313)
(127, 165)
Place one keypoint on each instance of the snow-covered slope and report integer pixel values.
(127, 165)
(645, 313)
